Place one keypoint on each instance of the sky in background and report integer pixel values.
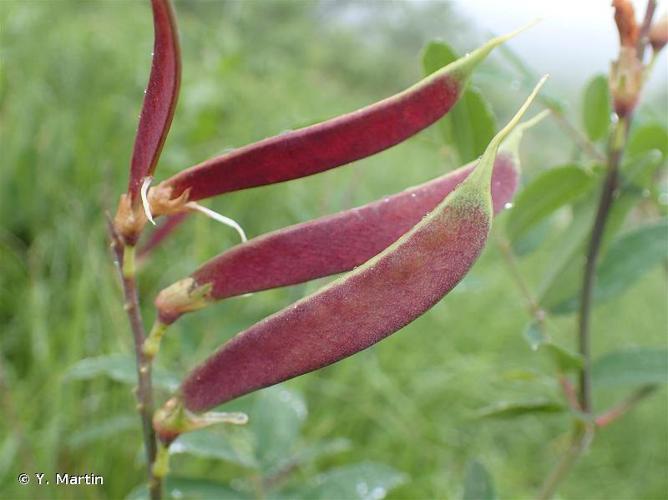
(575, 39)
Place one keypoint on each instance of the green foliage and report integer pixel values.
(69, 100)
(647, 137)
(120, 368)
(358, 481)
(549, 191)
(191, 489)
(629, 257)
(470, 124)
(635, 366)
(596, 110)
(513, 409)
(478, 484)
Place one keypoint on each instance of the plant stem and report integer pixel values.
(584, 432)
(580, 139)
(125, 256)
(511, 263)
(645, 27)
(593, 250)
(582, 435)
(625, 406)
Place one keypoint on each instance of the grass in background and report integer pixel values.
(71, 81)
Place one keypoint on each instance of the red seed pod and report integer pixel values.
(160, 99)
(364, 306)
(324, 246)
(335, 142)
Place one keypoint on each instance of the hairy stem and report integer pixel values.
(125, 256)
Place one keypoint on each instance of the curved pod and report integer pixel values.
(335, 142)
(364, 306)
(329, 245)
(160, 97)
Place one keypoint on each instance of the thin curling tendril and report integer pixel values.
(219, 218)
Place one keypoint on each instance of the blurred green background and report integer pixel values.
(71, 80)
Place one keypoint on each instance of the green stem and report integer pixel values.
(533, 305)
(578, 137)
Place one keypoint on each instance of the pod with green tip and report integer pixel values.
(361, 308)
(329, 245)
(334, 142)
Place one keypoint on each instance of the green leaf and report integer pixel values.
(231, 447)
(635, 366)
(564, 360)
(560, 289)
(647, 137)
(628, 259)
(478, 484)
(639, 170)
(104, 429)
(275, 420)
(437, 55)
(313, 452)
(549, 191)
(184, 488)
(532, 239)
(470, 124)
(119, 368)
(513, 409)
(363, 481)
(596, 108)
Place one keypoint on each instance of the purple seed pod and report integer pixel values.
(364, 306)
(335, 142)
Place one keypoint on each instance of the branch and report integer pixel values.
(582, 436)
(645, 27)
(125, 257)
(593, 251)
(625, 406)
(537, 312)
(578, 137)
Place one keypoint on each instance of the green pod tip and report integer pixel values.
(463, 68)
(481, 177)
(511, 145)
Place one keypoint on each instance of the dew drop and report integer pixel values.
(508, 205)
(413, 195)
(378, 493)
(362, 489)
